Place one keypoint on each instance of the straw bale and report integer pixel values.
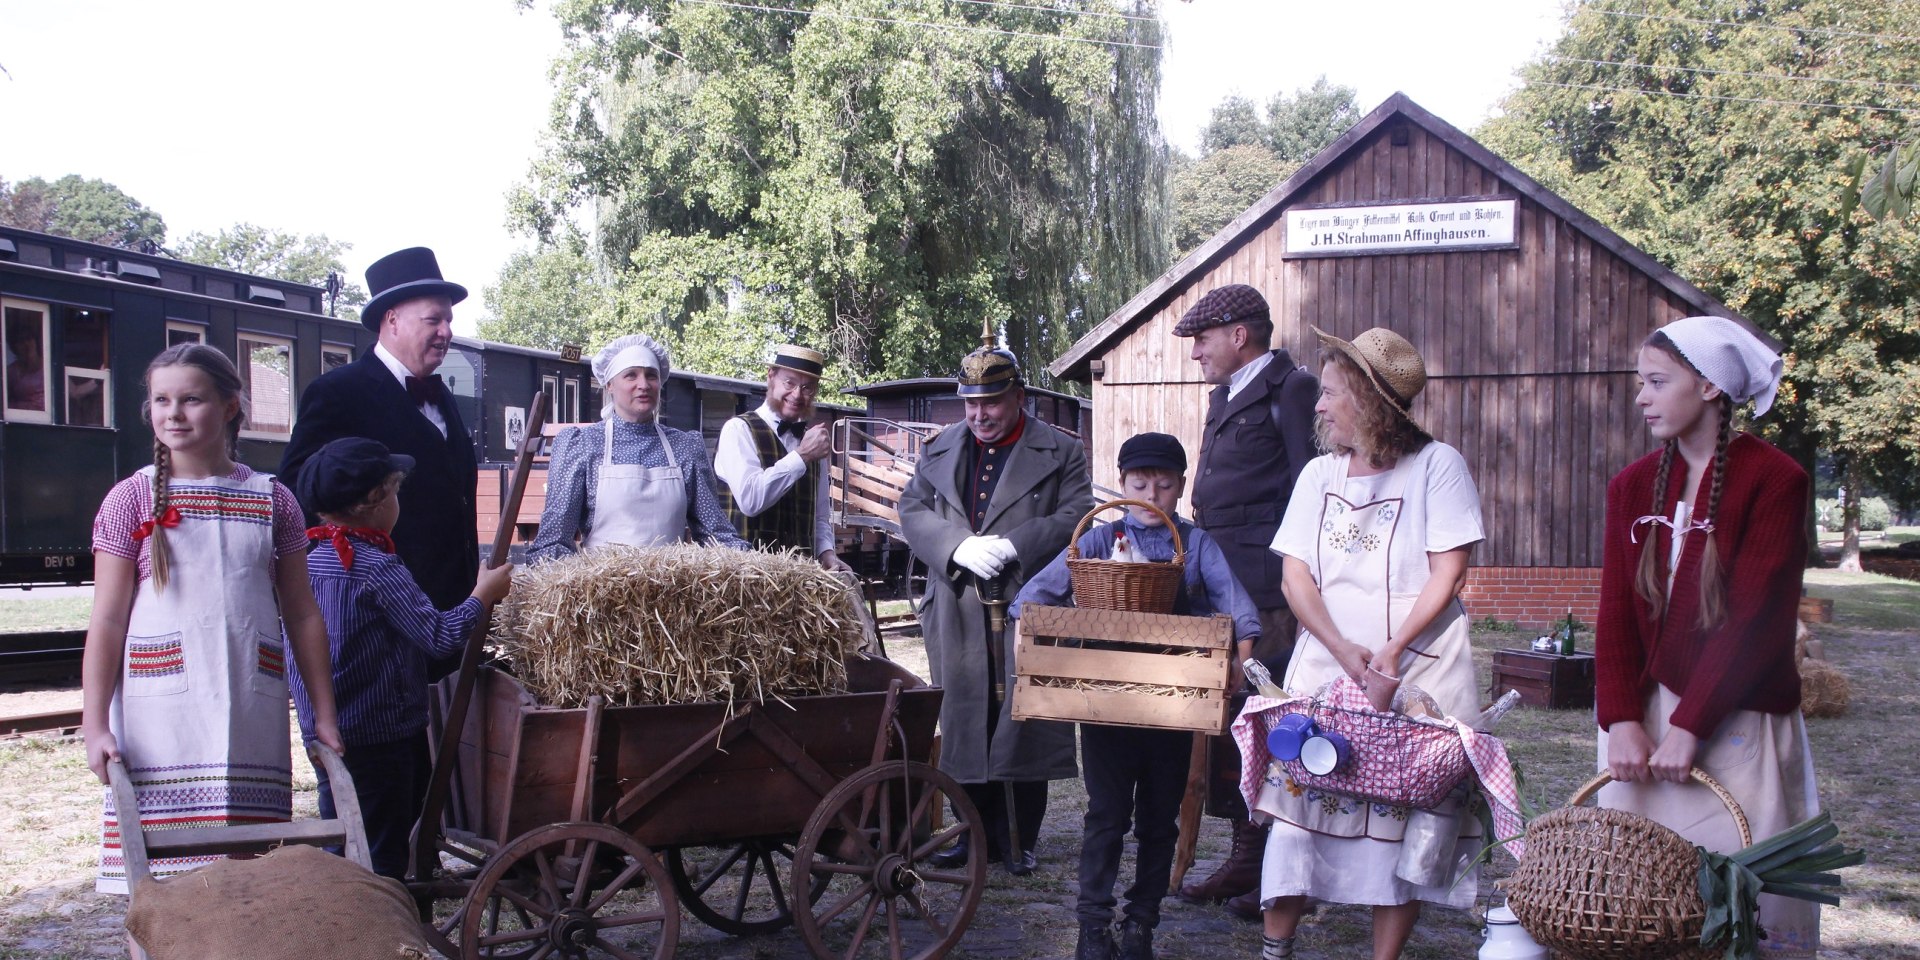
(1824, 690)
(677, 624)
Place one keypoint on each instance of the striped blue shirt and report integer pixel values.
(381, 631)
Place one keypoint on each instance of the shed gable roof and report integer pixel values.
(1073, 365)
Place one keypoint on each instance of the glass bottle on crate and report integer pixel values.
(1567, 635)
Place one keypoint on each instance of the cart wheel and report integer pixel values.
(868, 843)
(570, 890)
(738, 889)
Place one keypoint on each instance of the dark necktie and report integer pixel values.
(425, 390)
(793, 428)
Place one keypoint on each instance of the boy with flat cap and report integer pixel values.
(1139, 774)
(1258, 437)
(771, 463)
(382, 631)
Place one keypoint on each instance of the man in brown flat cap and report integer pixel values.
(1259, 436)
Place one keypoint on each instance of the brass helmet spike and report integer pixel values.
(990, 369)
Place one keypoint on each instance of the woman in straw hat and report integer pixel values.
(627, 479)
(1375, 545)
(1699, 592)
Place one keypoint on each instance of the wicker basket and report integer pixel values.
(1612, 885)
(1118, 584)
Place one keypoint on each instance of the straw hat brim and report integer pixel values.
(1373, 374)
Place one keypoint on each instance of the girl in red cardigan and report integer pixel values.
(1705, 544)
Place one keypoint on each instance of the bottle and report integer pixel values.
(1566, 636)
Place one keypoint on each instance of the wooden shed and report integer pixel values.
(1527, 311)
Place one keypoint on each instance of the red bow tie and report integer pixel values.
(169, 517)
(341, 545)
(425, 390)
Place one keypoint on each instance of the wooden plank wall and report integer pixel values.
(1530, 351)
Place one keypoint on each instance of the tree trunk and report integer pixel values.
(1850, 518)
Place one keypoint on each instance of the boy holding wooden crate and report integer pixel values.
(1122, 763)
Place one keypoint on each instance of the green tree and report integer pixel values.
(552, 296)
(1301, 124)
(266, 252)
(1209, 192)
(1716, 134)
(85, 209)
(1235, 122)
(873, 177)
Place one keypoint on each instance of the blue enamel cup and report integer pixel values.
(1325, 752)
(1288, 733)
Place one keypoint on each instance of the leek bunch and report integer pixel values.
(1798, 863)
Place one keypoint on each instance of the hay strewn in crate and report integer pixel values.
(1124, 686)
(677, 624)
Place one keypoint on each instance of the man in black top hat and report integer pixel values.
(1258, 437)
(391, 394)
(992, 500)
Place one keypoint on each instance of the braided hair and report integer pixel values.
(1647, 580)
(226, 381)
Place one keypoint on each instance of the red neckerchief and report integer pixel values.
(1012, 437)
(341, 545)
(169, 517)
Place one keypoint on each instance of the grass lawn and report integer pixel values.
(1892, 536)
(22, 612)
(49, 808)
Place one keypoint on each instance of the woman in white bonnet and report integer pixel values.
(627, 479)
(1704, 550)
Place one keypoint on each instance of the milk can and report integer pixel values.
(1507, 939)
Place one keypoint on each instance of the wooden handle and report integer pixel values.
(1073, 543)
(1699, 776)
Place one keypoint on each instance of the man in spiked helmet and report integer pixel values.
(993, 499)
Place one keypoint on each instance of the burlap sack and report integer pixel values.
(295, 903)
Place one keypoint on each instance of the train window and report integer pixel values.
(570, 404)
(83, 356)
(266, 372)
(185, 331)
(25, 327)
(334, 356)
(550, 385)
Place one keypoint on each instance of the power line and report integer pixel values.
(1709, 96)
(1731, 73)
(1824, 31)
(1076, 13)
(923, 23)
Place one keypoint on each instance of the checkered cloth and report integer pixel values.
(1484, 750)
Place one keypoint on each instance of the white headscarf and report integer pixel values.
(1730, 358)
(632, 350)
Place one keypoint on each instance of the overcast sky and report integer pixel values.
(390, 123)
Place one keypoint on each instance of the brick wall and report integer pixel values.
(1532, 596)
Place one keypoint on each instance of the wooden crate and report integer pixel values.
(1544, 679)
(1816, 609)
(1039, 652)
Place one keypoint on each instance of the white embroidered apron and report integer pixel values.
(201, 711)
(1338, 848)
(635, 505)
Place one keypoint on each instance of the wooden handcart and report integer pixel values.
(580, 832)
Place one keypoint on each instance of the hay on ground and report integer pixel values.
(677, 624)
(1824, 690)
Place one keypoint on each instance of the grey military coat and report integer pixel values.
(1037, 503)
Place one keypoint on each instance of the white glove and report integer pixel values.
(981, 556)
(1004, 549)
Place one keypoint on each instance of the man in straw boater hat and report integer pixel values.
(1257, 439)
(392, 395)
(771, 463)
(992, 500)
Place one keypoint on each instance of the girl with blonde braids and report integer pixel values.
(1704, 550)
(198, 562)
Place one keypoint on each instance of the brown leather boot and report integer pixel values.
(1239, 874)
(1247, 905)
